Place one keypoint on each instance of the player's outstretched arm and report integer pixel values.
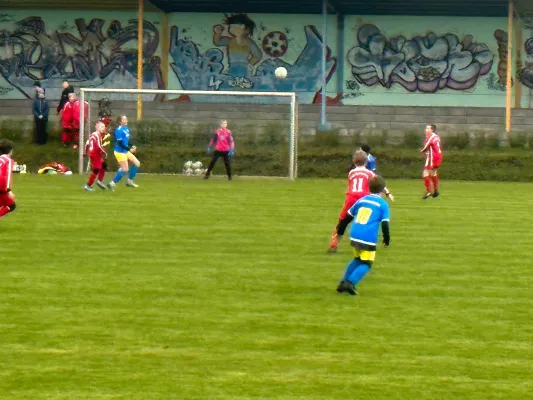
(388, 194)
(386, 232)
(341, 227)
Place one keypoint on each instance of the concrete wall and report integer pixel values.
(354, 118)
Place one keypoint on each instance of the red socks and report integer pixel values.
(92, 178)
(101, 174)
(427, 183)
(435, 180)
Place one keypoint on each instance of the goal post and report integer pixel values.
(260, 116)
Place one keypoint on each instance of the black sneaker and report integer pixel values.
(436, 194)
(346, 286)
(427, 196)
(206, 176)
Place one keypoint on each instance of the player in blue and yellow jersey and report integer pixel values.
(368, 214)
(124, 154)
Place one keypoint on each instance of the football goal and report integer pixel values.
(177, 125)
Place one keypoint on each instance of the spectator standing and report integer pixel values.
(67, 89)
(40, 115)
(38, 88)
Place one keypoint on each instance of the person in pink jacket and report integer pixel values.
(224, 147)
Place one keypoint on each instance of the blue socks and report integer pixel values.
(118, 176)
(352, 265)
(358, 273)
(133, 171)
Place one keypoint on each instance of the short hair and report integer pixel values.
(359, 158)
(365, 148)
(376, 184)
(433, 127)
(72, 95)
(222, 121)
(6, 146)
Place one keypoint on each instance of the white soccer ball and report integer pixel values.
(280, 72)
(188, 165)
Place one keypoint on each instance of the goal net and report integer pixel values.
(177, 125)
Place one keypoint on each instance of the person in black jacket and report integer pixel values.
(40, 115)
(67, 89)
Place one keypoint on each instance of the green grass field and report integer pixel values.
(192, 289)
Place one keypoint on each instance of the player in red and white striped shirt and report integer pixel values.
(7, 198)
(433, 150)
(96, 152)
(358, 187)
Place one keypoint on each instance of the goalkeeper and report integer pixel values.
(224, 147)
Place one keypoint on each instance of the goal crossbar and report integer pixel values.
(291, 95)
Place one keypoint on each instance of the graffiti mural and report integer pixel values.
(237, 60)
(421, 64)
(524, 70)
(498, 80)
(88, 54)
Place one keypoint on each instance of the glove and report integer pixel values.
(208, 150)
(232, 152)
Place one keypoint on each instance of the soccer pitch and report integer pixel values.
(193, 289)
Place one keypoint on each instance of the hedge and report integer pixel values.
(164, 148)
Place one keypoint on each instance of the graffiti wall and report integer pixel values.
(426, 61)
(384, 60)
(97, 50)
(240, 52)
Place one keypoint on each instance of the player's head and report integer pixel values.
(6, 147)
(72, 97)
(223, 123)
(100, 127)
(359, 158)
(366, 148)
(65, 84)
(376, 184)
(431, 129)
(123, 120)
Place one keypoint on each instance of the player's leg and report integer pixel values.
(75, 138)
(122, 159)
(366, 259)
(7, 203)
(225, 156)
(101, 175)
(345, 286)
(334, 240)
(96, 163)
(435, 180)
(94, 173)
(427, 182)
(212, 164)
(66, 136)
(134, 167)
